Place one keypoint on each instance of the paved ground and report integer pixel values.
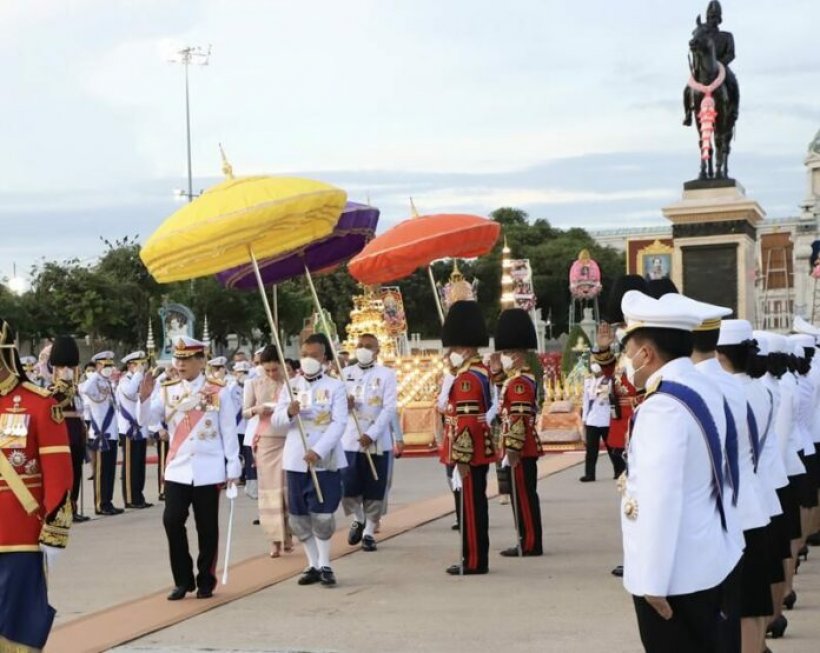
(399, 599)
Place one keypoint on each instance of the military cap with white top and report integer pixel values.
(219, 361)
(242, 366)
(135, 357)
(763, 342)
(803, 340)
(807, 328)
(779, 344)
(735, 332)
(28, 360)
(104, 357)
(671, 311)
(186, 347)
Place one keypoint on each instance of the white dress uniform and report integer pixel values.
(596, 410)
(675, 542)
(133, 435)
(103, 433)
(203, 453)
(323, 415)
(785, 426)
(373, 389)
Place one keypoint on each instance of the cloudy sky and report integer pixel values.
(568, 110)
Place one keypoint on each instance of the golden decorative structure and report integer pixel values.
(367, 316)
(507, 294)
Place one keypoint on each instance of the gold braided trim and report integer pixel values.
(59, 449)
(709, 325)
(6, 488)
(7, 646)
(19, 548)
(463, 447)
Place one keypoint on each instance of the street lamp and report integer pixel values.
(16, 284)
(191, 54)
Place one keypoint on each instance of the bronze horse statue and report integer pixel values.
(712, 95)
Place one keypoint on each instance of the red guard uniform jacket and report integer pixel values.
(34, 446)
(468, 438)
(519, 410)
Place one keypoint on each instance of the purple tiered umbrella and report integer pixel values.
(355, 229)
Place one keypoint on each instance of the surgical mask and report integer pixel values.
(630, 371)
(310, 366)
(364, 356)
(595, 369)
(106, 372)
(456, 359)
(507, 362)
(66, 374)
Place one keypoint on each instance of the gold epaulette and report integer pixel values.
(214, 381)
(36, 389)
(169, 382)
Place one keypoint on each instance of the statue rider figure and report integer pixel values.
(724, 44)
(724, 50)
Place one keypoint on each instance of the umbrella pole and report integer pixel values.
(275, 331)
(435, 293)
(338, 365)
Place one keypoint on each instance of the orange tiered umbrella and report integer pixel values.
(419, 241)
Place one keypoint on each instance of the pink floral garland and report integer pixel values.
(708, 113)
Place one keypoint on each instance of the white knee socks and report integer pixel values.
(312, 552)
(323, 547)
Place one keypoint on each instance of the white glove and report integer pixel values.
(455, 481)
(232, 492)
(50, 553)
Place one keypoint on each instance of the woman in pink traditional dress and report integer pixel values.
(261, 395)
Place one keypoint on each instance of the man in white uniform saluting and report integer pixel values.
(203, 453)
(677, 547)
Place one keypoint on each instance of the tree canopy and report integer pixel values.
(112, 300)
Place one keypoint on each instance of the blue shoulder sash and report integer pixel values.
(694, 403)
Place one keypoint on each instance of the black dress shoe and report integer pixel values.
(814, 539)
(161, 496)
(512, 552)
(789, 600)
(618, 571)
(455, 570)
(587, 479)
(369, 543)
(803, 553)
(179, 592)
(109, 511)
(777, 627)
(354, 535)
(455, 527)
(256, 522)
(79, 519)
(140, 506)
(310, 576)
(327, 577)
(204, 594)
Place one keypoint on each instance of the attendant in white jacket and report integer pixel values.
(203, 454)
(320, 403)
(371, 391)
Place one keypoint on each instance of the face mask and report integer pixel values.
(364, 356)
(456, 359)
(595, 369)
(310, 366)
(106, 372)
(67, 374)
(630, 370)
(507, 362)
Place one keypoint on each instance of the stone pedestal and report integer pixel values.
(715, 244)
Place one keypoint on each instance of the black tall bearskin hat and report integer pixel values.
(515, 330)
(614, 314)
(64, 352)
(464, 326)
(657, 288)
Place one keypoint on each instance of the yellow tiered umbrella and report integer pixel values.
(240, 221)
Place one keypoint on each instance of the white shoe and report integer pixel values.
(252, 489)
